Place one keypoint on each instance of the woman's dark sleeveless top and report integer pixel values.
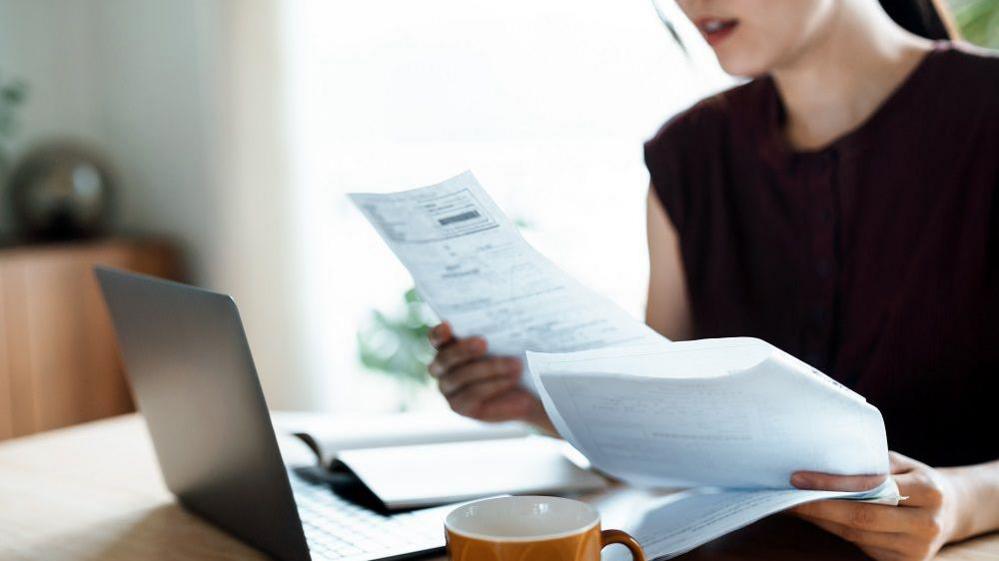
(875, 259)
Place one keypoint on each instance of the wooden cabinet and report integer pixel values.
(59, 362)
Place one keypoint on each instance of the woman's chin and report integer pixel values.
(739, 65)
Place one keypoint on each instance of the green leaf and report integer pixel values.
(978, 21)
(14, 93)
(396, 344)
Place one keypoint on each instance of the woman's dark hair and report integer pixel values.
(927, 18)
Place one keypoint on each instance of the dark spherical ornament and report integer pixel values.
(61, 192)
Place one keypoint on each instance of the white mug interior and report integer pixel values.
(522, 518)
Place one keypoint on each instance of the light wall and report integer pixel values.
(180, 95)
(51, 44)
(237, 127)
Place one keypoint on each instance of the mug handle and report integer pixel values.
(608, 537)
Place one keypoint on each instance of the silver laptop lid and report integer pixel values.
(192, 374)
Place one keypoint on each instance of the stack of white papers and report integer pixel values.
(731, 418)
(734, 412)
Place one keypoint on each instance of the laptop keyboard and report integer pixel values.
(338, 529)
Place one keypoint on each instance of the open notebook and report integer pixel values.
(406, 461)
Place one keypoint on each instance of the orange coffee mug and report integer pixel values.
(530, 529)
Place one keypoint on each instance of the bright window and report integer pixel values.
(548, 103)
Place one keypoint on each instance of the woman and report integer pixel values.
(843, 206)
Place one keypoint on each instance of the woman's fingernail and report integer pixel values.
(801, 480)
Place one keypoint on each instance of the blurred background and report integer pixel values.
(213, 142)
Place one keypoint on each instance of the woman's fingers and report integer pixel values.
(478, 371)
(485, 388)
(920, 489)
(829, 482)
(514, 403)
(900, 463)
(890, 532)
(469, 401)
(882, 554)
(890, 541)
(862, 516)
(441, 335)
(455, 354)
(914, 530)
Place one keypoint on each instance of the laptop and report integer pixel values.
(190, 368)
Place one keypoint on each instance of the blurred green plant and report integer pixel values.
(397, 345)
(978, 21)
(13, 94)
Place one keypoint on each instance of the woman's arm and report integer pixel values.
(668, 309)
(977, 488)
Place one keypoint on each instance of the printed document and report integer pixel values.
(474, 269)
(732, 418)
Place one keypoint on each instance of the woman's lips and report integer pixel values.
(716, 30)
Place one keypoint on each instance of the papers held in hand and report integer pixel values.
(734, 412)
(475, 270)
(732, 418)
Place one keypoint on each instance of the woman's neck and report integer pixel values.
(837, 82)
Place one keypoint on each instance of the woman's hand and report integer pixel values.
(482, 387)
(923, 522)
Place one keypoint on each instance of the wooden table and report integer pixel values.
(94, 492)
